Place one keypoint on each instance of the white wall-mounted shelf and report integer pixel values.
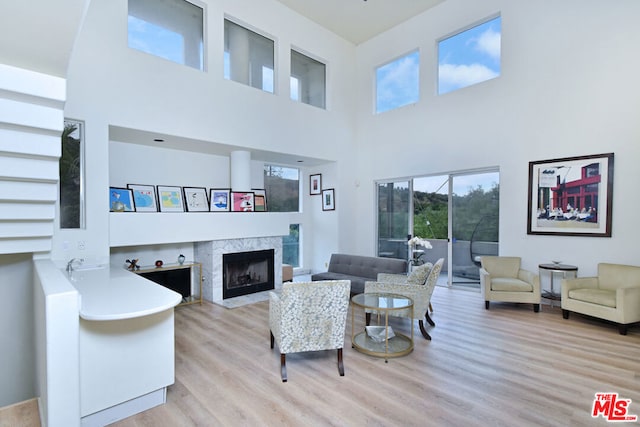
(148, 228)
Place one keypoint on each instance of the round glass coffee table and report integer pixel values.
(381, 340)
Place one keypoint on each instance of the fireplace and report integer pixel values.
(247, 272)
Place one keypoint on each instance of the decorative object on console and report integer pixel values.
(315, 184)
(219, 198)
(328, 200)
(195, 199)
(259, 199)
(121, 200)
(170, 199)
(242, 201)
(571, 196)
(144, 197)
(181, 259)
(133, 264)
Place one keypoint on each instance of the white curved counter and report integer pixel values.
(113, 293)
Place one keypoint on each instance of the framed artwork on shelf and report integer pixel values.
(219, 198)
(571, 196)
(260, 199)
(195, 199)
(170, 199)
(328, 199)
(315, 184)
(144, 197)
(121, 200)
(242, 201)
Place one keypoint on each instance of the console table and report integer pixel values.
(554, 268)
(167, 274)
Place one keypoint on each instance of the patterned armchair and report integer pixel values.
(418, 286)
(309, 316)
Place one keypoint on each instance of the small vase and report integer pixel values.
(181, 259)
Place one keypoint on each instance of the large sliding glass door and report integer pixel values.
(457, 213)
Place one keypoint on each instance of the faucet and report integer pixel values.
(70, 263)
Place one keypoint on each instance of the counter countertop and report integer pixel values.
(113, 293)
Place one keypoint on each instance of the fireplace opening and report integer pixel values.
(245, 273)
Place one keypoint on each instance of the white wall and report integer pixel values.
(568, 87)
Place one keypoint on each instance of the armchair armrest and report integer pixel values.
(628, 301)
(530, 277)
(416, 292)
(485, 280)
(392, 278)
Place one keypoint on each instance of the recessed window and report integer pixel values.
(397, 83)
(291, 246)
(282, 185)
(469, 57)
(248, 57)
(72, 175)
(170, 29)
(308, 78)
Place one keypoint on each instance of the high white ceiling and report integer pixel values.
(359, 20)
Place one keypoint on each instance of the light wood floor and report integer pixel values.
(507, 366)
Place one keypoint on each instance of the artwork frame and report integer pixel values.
(329, 199)
(242, 201)
(195, 199)
(219, 199)
(260, 200)
(121, 200)
(144, 197)
(170, 198)
(315, 184)
(581, 206)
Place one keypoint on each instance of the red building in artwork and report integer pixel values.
(581, 194)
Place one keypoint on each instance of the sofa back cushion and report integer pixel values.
(364, 266)
(614, 276)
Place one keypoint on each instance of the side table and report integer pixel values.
(382, 304)
(554, 268)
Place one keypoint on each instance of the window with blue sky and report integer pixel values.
(469, 57)
(398, 83)
(170, 29)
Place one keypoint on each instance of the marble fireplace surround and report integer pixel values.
(209, 253)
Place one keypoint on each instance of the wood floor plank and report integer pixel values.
(500, 367)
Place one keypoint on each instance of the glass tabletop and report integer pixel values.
(380, 300)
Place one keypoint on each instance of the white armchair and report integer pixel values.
(309, 316)
(502, 279)
(613, 295)
(418, 286)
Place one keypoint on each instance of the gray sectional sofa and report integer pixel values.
(359, 269)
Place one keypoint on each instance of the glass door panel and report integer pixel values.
(393, 219)
(474, 224)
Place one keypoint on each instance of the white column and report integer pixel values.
(240, 170)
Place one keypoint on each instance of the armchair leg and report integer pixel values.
(430, 308)
(486, 305)
(272, 338)
(429, 320)
(622, 329)
(536, 308)
(340, 363)
(283, 367)
(425, 334)
(565, 314)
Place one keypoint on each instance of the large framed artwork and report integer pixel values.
(571, 196)
(144, 197)
(170, 198)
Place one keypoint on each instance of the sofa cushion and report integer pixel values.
(508, 284)
(595, 296)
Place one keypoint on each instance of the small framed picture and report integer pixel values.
(242, 201)
(328, 199)
(170, 199)
(195, 198)
(315, 184)
(121, 200)
(260, 199)
(144, 197)
(219, 198)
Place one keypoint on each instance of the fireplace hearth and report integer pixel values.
(245, 273)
